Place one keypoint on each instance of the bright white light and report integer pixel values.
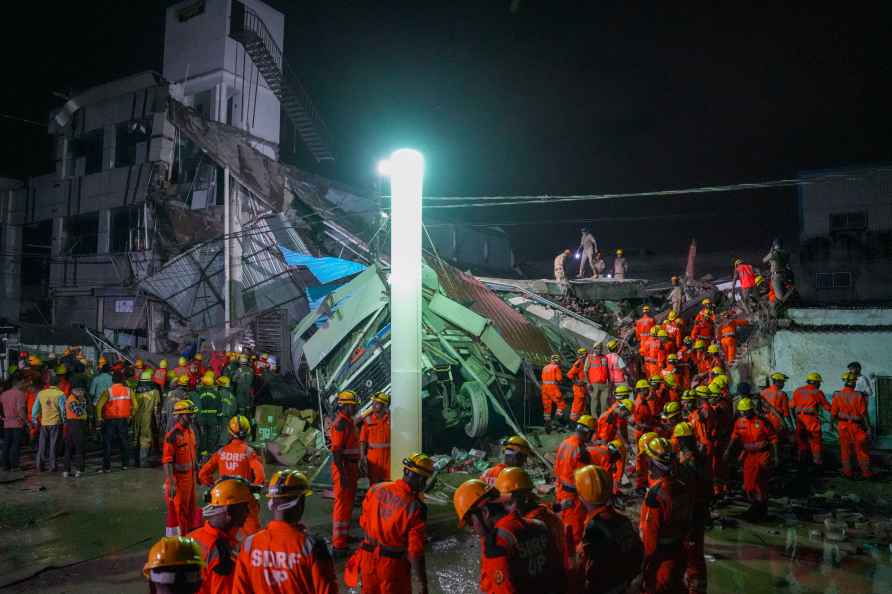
(406, 169)
(384, 215)
(576, 255)
(384, 168)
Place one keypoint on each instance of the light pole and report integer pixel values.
(406, 170)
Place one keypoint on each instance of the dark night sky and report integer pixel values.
(547, 98)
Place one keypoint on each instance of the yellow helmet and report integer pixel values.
(239, 426)
(683, 429)
(183, 380)
(382, 398)
(207, 379)
(163, 364)
(814, 376)
(223, 381)
(199, 357)
(347, 397)
(555, 358)
(702, 390)
(34, 361)
(612, 344)
(243, 359)
(516, 443)
(737, 261)
(145, 376)
(173, 552)
(139, 363)
(779, 377)
(619, 252)
(622, 390)
(672, 409)
(185, 407)
(745, 404)
(183, 362)
(713, 349)
(642, 441)
(587, 421)
(657, 448)
(670, 380)
(627, 404)
(582, 351)
(706, 301)
(672, 315)
(419, 463)
(102, 361)
(716, 370)
(848, 377)
(662, 333)
(699, 344)
(672, 357)
(593, 484)
(642, 385)
(760, 280)
(654, 331)
(688, 395)
(288, 484)
(721, 381)
(468, 496)
(619, 446)
(230, 491)
(513, 479)
(61, 370)
(656, 380)
(645, 308)
(715, 389)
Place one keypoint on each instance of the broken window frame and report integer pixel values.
(136, 240)
(127, 136)
(80, 240)
(827, 281)
(89, 146)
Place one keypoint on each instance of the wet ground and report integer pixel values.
(91, 535)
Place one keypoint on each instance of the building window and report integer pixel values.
(848, 221)
(833, 280)
(88, 146)
(132, 142)
(127, 233)
(884, 405)
(81, 234)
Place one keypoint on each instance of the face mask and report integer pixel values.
(271, 504)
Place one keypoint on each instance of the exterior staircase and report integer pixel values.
(248, 29)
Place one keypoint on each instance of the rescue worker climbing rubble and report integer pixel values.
(643, 325)
(515, 451)
(238, 459)
(374, 440)
(393, 519)
(345, 452)
(285, 558)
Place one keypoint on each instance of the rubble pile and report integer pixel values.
(289, 436)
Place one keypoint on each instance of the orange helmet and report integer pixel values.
(513, 479)
(593, 484)
(173, 552)
(468, 496)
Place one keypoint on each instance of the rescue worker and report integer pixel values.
(587, 246)
(551, 391)
(560, 274)
(76, 430)
(174, 566)
(393, 519)
(806, 406)
(600, 265)
(759, 442)
(704, 322)
(228, 408)
(374, 440)
(745, 276)
(238, 459)
(643, 326)
(48, 406)
(620, 265)
(653, 353)
(699, 363)
(179, 392)
(720, 424)
(196, 370)
(714, 360)
(209, 421)
(515, 489)
(577, 375)
(669, 417)
(644, 421)
(224, 515)
(597, 375)
(610, 552)
(695, 467)
(515, 451)
(138, 367)
(517, 554)
(115, 408)
(146, 416)
(610, 456)
(728, 335)
(616, 365)
(244, 383)
(659, 393)
(849, 410)
(671, 376)
(572, 453)
(665, 521)
(284, 558)
(777, 404)
(684, 363)
(676, 295)
(62, 380)
(613, 423)
(159, 376)
(776, 258)
(674, 327)
(182, 368)
(178, 457)
(345, 453)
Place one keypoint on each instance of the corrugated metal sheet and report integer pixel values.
(326, 269)
(523, 336)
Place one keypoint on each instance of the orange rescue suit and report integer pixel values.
(375, 433)
(756, 436)
(665, 521)
(284, 559)
(728, 338)
(849, 408)
(344, 442)
(521, 557)
(807, 402)
(237, 458)
(393, 519)
(219, 551)
(780, 403)
(571, 454)
(179, 450)
(576, 374)
(551, 391)
(490, 475)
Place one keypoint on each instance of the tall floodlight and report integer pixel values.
(406, 170)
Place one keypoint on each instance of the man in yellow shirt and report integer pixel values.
(48, 405)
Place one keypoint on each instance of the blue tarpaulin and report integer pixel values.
(326, 269)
